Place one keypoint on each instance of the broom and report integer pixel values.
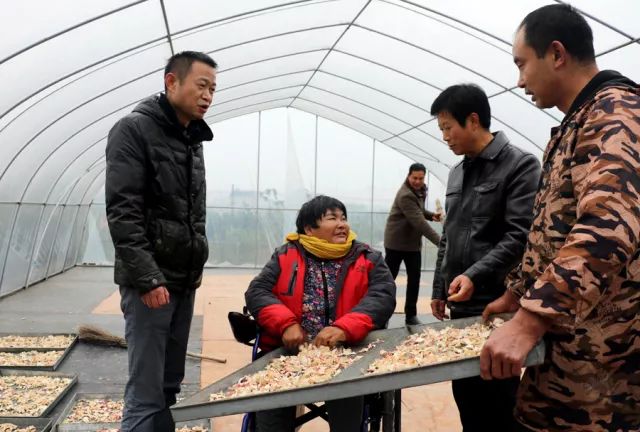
(97, 336)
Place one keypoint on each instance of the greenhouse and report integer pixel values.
(312, 97)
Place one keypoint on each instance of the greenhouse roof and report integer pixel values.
(72, 68)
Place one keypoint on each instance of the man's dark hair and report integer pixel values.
(314, 209)
(180, 63)
(562, 23)
(417, 167)
(460, 101)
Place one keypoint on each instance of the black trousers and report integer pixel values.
(485, 405)
(413, 262)
(157, 347)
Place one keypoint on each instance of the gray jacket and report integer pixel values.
(488, 216)
(407, 222)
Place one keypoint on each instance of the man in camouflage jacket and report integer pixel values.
(578, 283)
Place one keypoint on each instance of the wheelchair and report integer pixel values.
(382, 411)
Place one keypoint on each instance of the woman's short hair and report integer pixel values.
(313, 210)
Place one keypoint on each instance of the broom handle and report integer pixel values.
(204, 357)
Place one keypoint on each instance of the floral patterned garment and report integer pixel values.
(313, 300)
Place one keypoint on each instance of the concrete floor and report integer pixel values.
(87, 295)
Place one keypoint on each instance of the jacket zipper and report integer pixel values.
(292, 280)
(326, 295)
(190, 208)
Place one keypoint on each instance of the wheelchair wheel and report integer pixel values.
(391, 413)
(249, 423)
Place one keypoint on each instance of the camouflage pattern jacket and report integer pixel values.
(581, 267)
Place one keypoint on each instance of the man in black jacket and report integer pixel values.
(488, 205)
(156, 207)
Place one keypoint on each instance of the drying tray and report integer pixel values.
(41, 424)
(20, 349)
(65, 351)
(60, 426)
(348, 383)
(61, 395)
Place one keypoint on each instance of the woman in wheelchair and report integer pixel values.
(323, 287)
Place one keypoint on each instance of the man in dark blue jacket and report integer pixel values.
(488, 206)
(156, 207)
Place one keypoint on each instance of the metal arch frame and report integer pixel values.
(68, 112)
(385, 113)
(616, 48)
(166, 26)
(245, 15)
(459, 21)
(38, 242)
(213, 120)
(74, 221)
(468, 33)
(255, 94)
(315, 88)
(328, 73)
(413, 156)
(425, 154)
(240, 66)
(598, 20)
(435, 159)
(368, 2)
(78, 131)
(150, 45)
(71, 162)
(418, 127)
(404, 151)
(6, 256)
(610, 50)
(78, 71)
(315, 71)
(68, 29)
(418, 47)
(66, 254)
(71, 238)
(251, 14)
(150, 73)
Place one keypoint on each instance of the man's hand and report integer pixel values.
(437, 217)
(330, 336)
(460, 289)
(506, 303)
(293, 336)
(438, 308)
(156, 298)
(503, 355)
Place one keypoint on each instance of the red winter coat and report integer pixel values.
(365, 293)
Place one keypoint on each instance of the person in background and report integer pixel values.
(406, 224)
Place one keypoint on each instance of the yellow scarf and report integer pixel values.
(322, 248)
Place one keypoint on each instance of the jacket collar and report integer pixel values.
(422, 193)
(196, 131)
(160, 110)
(493, 149)
(601, 80)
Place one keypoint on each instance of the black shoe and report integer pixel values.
(412, 320)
